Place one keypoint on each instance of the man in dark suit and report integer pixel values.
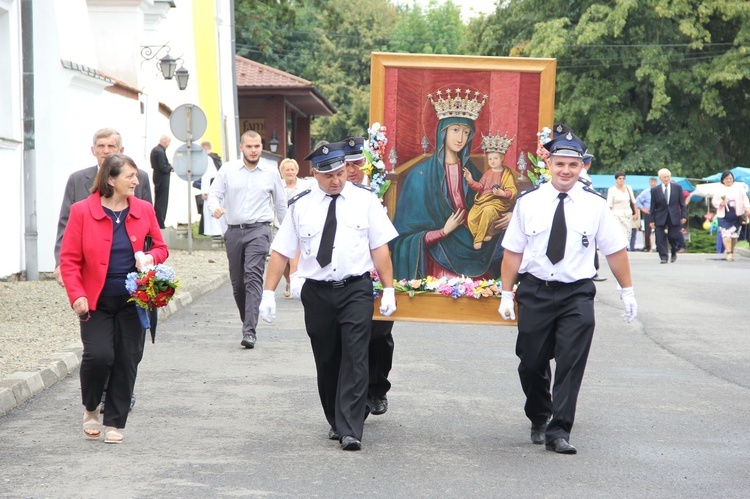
(106, 141)
(668, 213)
(162, 172)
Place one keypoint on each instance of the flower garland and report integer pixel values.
(455, 287)
(541, 162)
(374, 150)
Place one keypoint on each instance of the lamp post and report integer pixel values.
(273, 144)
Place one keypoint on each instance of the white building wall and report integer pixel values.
(70, 105)
(11, 136)
(228, 86)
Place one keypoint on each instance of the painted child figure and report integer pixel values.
(496, 192)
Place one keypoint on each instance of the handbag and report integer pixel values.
(632, 200)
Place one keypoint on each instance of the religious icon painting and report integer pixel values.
(456, 125)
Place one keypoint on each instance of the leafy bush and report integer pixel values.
(701, 241)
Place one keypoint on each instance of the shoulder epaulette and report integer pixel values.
(362, 186)
(590, 189)
(527, 191)
(584, 181)
(295, 198)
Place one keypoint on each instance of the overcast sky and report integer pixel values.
(469, 8)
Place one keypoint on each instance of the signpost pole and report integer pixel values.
(189, 181)
(188, 122)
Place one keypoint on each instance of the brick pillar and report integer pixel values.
(302, 145)
(275, 120)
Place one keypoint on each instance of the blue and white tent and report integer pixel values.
(741, 174)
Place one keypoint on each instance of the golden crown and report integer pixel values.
(457, 107)
(496, 143)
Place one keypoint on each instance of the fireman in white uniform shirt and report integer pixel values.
(337, 293)
(549, 246)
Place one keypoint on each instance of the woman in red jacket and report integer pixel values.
(103, 233)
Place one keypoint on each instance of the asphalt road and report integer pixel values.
(662, 412)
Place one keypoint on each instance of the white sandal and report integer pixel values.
(112, 435)
(91, 425)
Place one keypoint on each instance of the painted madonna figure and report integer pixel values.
(435, 199)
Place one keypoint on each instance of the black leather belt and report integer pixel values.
(552, 284)
(341, 283)
(247, 226)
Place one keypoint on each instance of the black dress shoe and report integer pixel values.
(537, 433)
(674, 257)
(663, 260)
(646, 250)
(561, 446)
(248, 341)
(378, 406)
(333, 434)
(350, 443)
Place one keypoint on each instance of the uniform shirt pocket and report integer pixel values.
(584, 235)
(536, 230)
(308, 235)
(355, 230)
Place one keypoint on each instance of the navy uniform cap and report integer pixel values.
(327, 158)
(566, 145)
(587, 156)
(353, 148)
(560, 129)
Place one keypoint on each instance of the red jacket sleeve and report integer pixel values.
(71, 254)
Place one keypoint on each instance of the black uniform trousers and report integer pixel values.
(161, 197)
(554, 323)
(338, 322)
(112, 347)
(381, 358)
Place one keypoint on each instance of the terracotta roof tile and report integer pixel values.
(254, 74)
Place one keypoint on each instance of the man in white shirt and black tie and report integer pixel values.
(550, 246)
(341, 232)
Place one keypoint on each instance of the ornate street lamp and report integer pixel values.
(167, 64)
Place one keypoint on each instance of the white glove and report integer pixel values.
(388, 302)
(267, 309)
(507, 310)
(143, 261)
(295, 285)
(627, 295)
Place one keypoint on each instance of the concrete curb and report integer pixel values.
(17, 388)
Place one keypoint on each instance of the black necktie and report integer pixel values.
(559, 232)
(329, 233)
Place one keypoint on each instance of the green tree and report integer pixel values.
(647, 83)
(438, 29)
